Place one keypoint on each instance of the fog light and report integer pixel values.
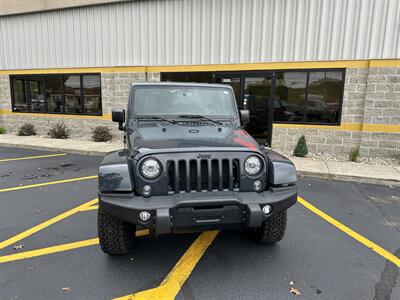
(257, 185)
(144, 216)
(267, 209)
(146, 191)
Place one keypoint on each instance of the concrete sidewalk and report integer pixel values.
(348, 171)
(59, 145)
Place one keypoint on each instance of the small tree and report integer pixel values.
(301, 147)
(2, 130)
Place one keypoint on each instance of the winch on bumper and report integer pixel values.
(199, 211)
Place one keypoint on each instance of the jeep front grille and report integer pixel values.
(197, 175)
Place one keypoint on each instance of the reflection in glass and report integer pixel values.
(205, 77)
(323, 99)
(234, 82)
(20, 101)
(257, 92)
(92, 94)
(290, 96)
(72, 94)
(36, 93)
(54, 94)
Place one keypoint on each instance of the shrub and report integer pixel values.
(354, 154)
(101, 134)
(301, 147)
(2, 130)
(27, 129)
(58, 131)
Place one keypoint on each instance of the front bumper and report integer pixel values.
(198, 211)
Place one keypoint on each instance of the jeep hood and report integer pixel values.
(171, 136)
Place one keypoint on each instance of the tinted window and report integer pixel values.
(20, 100)
(324, 94)
(36, 94)
(290, 96)
(70, 94)
(202, 77)
(54, 94)
(298, 97)
(92, 94)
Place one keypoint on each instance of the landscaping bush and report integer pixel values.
(301, 147)
(354, 154)
(2, 130)
(101, 134)
(27, 129)
(58, 131)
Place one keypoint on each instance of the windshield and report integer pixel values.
(182, 100)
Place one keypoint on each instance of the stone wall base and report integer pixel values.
(332, 141)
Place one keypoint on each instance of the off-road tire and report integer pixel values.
(272, 230)
(116, 236)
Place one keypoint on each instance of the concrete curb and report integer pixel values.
(351, 178)
(58, 149)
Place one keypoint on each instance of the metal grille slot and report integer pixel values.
(203, 175)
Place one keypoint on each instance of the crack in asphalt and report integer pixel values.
(389, 276)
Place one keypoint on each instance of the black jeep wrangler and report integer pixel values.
(189, 166)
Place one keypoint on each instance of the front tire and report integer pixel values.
(116, 236)
(272, 230)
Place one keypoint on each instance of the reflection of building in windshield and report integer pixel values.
(183, 101)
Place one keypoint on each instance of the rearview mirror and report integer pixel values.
(244, 116)
(118, 115)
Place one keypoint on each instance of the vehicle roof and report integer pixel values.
(170, 83)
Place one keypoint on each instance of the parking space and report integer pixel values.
(342, 242)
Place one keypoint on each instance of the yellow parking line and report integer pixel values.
(22, 187)
(169, 288)
(32, 157)
(45, 224)
(93, 207)
(58, 248)
(49, 250)
(358, 237)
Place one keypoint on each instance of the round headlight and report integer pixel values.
(252, 165)
(150, 168)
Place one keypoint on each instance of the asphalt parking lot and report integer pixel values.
(342, 242)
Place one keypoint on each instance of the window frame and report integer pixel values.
(61, 76)
(266, 72)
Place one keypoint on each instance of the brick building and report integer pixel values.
(327, 69)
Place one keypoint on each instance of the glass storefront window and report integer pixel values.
(257, 94)
(54, 94)
(92, 94)
(72, 94)
(290, 95)
(20, 99)
(36, 94)
(303, 96)
(68, 94)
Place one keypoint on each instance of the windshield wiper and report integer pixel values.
(200, 117)
(156, 118)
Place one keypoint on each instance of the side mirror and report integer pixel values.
(118, 115)
(244, 116)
